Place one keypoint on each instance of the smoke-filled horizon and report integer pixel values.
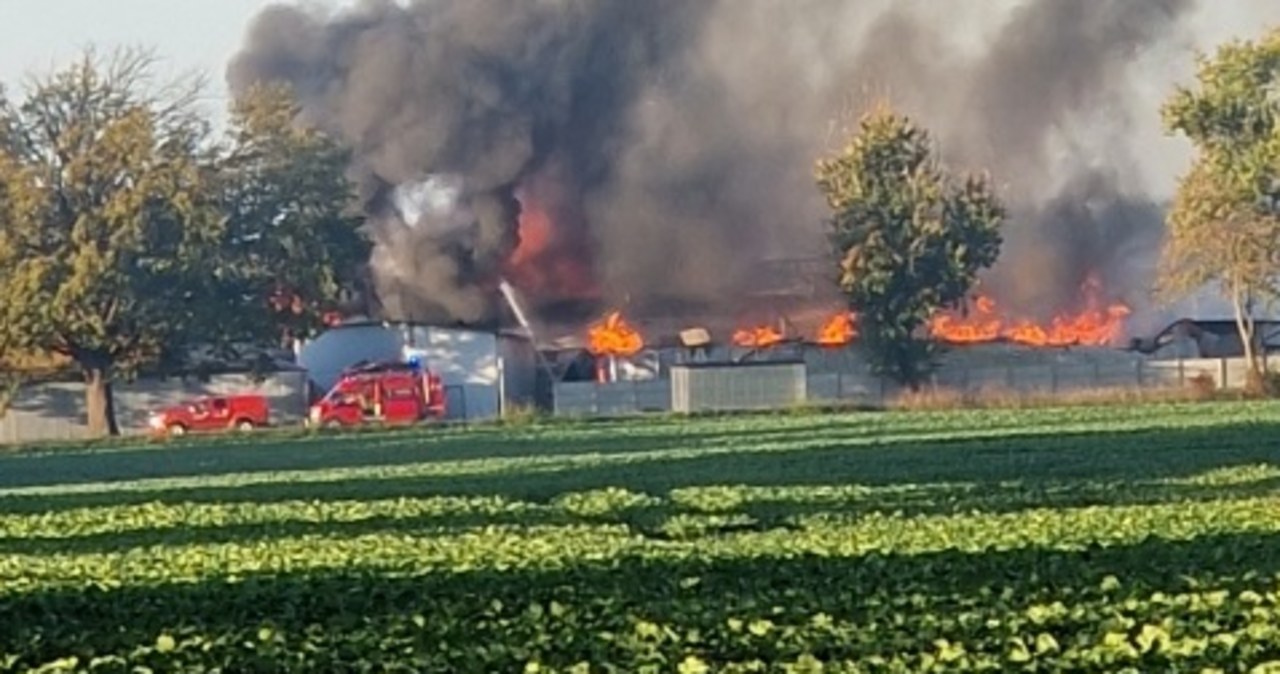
(654, 150)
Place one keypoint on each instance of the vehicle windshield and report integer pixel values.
(337, 397)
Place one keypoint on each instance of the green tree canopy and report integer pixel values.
(911, 238)
(128, 236)
(291, 230)
(1224, 227)
(102, 219)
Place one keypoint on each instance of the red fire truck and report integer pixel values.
(387, 393)
(212, 414)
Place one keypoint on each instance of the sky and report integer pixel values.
(203, 35)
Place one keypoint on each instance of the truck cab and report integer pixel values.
(212, 414)
(393, 394)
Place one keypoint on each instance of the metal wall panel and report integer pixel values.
(612, 399)
(753, 386)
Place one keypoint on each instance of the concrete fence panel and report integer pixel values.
(53, 412)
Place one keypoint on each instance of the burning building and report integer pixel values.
(1188, 338)
(633, 155)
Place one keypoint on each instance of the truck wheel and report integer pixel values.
(244, 425)
(333, 424)
(177, 430)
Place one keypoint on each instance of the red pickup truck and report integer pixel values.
(212, 414)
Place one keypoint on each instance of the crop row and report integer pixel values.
(1178, 585)
(158, 520)
(1084, 540)
(996, 611)
(596, 456)
(497, 450)
(517, 545)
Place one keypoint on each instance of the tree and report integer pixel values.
(291, 240)
(102, 219)
(128, 236)
(911, 239)
(1224, 226)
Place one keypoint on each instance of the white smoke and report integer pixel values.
(434, 204)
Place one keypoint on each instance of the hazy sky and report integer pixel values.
(186, 34)
(204, 34)
(36, 35)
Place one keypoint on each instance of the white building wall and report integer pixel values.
(326, 356)
(467, 363)
(477, 368)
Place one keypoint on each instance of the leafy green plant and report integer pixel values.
(522, 415)
(601, 502)
(1072, 539)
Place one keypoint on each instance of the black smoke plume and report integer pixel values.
(485, 92)
(678, 136)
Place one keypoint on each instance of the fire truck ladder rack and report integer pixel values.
(379, 367)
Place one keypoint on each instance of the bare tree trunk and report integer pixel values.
(99, 401)
(1244, 324)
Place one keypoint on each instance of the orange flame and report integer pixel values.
(614, 337)
(761, 337)
(548, 262)
(1094, 326)
(839, 330)
(981, 325)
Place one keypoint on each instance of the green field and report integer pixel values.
(1141, 538)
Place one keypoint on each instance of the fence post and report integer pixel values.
(1182, 372)
(1225, 372)
(502, 388)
